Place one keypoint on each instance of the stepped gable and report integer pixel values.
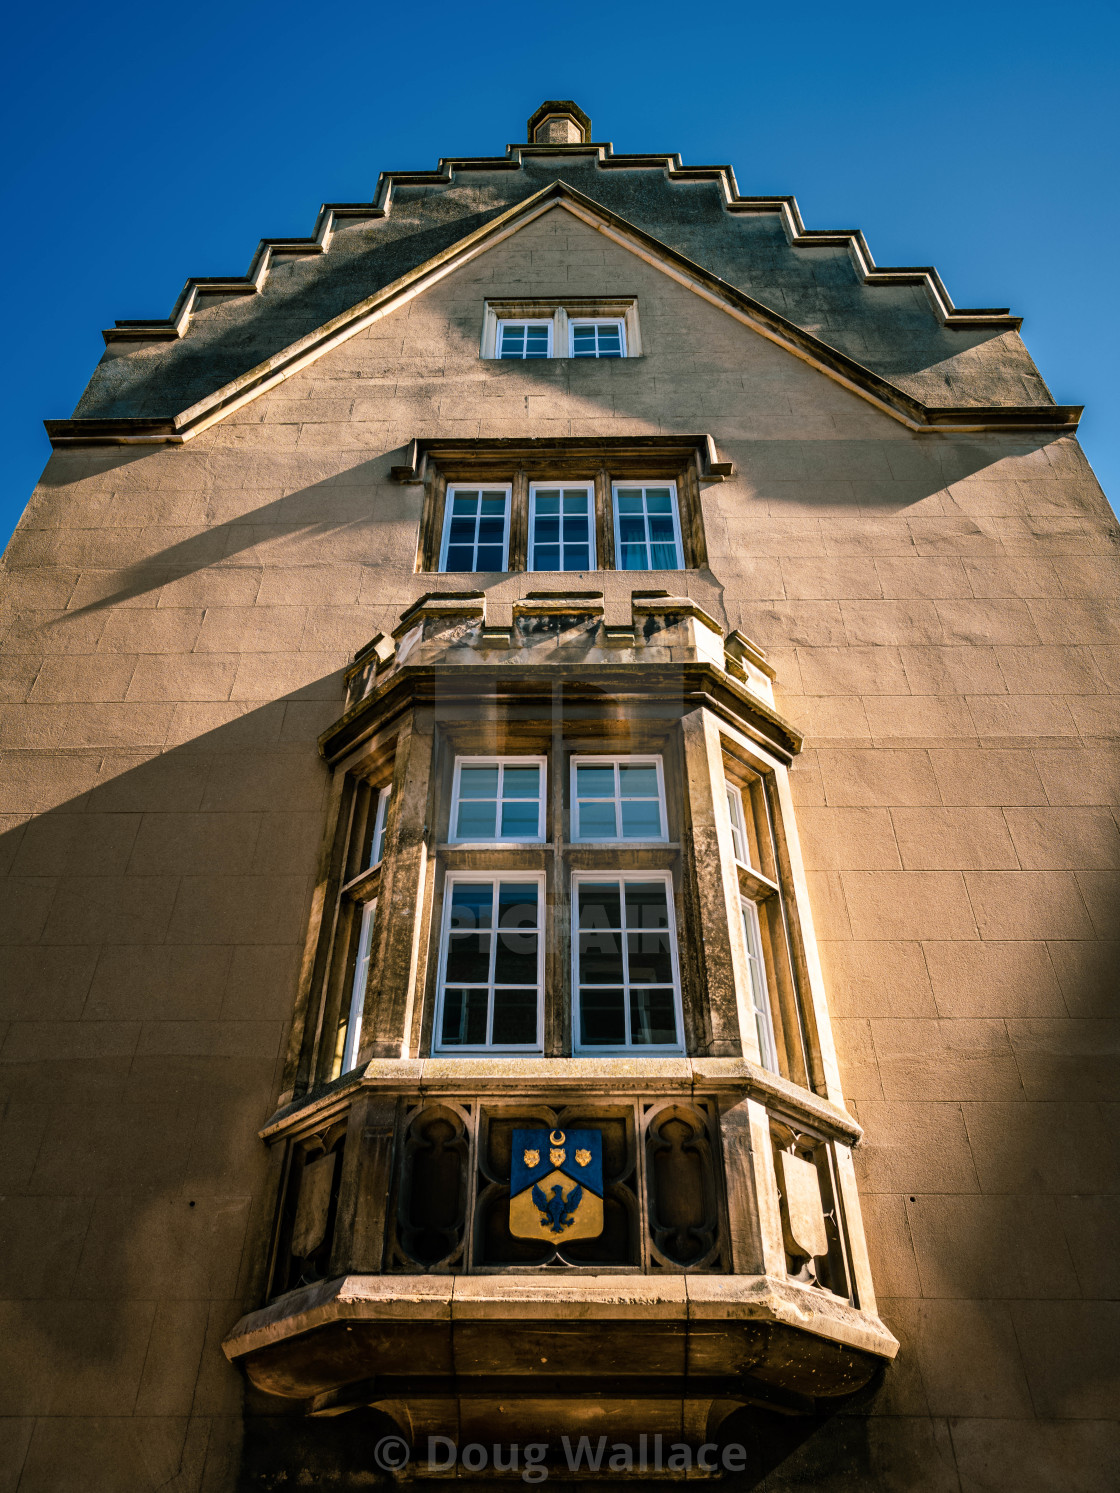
(899, 323)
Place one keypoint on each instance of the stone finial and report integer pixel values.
(559, 122)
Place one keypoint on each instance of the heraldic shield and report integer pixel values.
(556, 1185)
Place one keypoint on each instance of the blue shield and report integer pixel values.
(556, 1185)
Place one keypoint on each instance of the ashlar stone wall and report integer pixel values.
(942, 613)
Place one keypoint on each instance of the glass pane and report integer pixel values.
(597, 821)
(661, 528)
(522, 782)
(464, 503)
(520, 818)
(629, 502)
(665, 557)
(575, 501)
(575, 530)
(515, 1017)
(650, 958)
(600, 957)
(659, 500)
(652, 1017)
(547, 530)
(546, 557)
(493, 502)
(637, 782)
(647, 904)
(602, 1018)
(491, 530)
(461, 531)
(595, 782)
(478, 782)
(641, 819)
(632, 530)
(471, 905)
(460, 557)
(577, 557)
(634, 558)
(547, 500)
(464, 1017)
(489, 557)
(516, 957)
(476, 820)
(600, 904)
(468, 957)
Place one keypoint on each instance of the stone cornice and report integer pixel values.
(306, 350)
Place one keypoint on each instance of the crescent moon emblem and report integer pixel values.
(557, 1138)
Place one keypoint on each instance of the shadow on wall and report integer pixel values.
(152, 925)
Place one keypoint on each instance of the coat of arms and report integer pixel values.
(556, 1185)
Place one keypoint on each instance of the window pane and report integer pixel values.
(493, 502)
(476, 820)
(471, 905)
(595, 782)
(546, 557)
(522, 782)
(600, 905)
(641, 821)
(647, 904)
(602, 1018)
(462, 531)
(520, 819)
(491, 530)
(464, 503)
(548, 530)
(664, 557)
(547, 500)
(634, 557)
(575, 500)
(515, 961)
(490, 557)
(468, 957)
(478, 782)
(515, 1017)
(577, 557)
(632, 529)
(637, 782)
(460, 557)
(464, 1018)
(659, 499)
(600, 957)
(629, 502)
(650, 959)
(597, 821)
(652, 1017)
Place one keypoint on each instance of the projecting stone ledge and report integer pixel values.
(485, 1355)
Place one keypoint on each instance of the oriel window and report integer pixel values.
(618, 798)
(491, 964)
(625, 978)
(498, 798)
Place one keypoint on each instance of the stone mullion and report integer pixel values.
(400, 912)
(364, 1189)
(753, 1207)
(717, 937)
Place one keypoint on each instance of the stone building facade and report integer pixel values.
(564, 647)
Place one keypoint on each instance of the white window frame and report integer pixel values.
(506, 488)
(524, 321)
(490, 878)
(627, 1049)
(358, 988)
(561, 487)
(596, 321)
(501, 763)
(736, 810)
(643, 487)
(381, 815)
(760, 990)
(640, 759)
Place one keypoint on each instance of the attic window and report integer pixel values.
(581, 327)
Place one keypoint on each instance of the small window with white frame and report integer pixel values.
(475, 529)
(647, 527)
(597, 339)
(618, 798)
(525, 339)
(491, 969)
(562, 526)
(760, 996)
(349, 1037)
(738, 824)
(377, 835)
(498, 799)
(625, 975)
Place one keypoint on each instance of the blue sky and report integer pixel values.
(144, 144)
